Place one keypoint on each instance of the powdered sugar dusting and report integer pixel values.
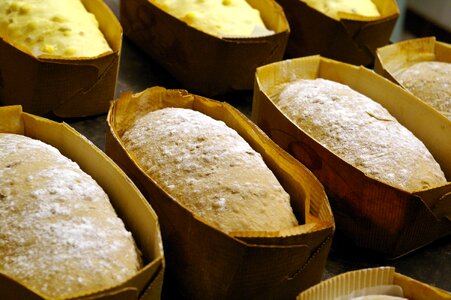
(430, 81)
(211, 169)
(59, 233)
(361, 132)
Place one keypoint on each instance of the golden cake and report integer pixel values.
(217, 17)
(52, 27)
(332, 8)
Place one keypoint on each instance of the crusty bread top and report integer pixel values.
(52, 27)
(360, 131)
(431, 82)
(211, 169)
(59, 234)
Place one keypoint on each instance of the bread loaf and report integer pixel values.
(210, 169)
(332, 8)
(431, 82)
(217, 17)
(360, 131)
(377, 297)
(59, 234)
(51, 27)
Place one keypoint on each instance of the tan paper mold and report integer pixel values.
(356, 282)
(54, 86)
(206, 263)
(130, 205)
(392, 59)
(352, 38)
(373, 214)
(204, 63)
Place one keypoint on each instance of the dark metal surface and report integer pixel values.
(431, 264)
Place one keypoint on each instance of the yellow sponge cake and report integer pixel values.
(331, 8)
(217, 17)
(51, 27)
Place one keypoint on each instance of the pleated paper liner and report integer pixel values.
(373, 214)
(207, 64)
(54, 86)
(128, 202)
(206, 263)
(392, 59)
(352, 38)
(373, 281)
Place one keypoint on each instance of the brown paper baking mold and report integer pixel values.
(51, 86)
(130, 205)
(206, 263)
(392, 59)
(352, 38)
(373, 214)
(204, 63)
(344, 284)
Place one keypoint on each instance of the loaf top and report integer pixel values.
(52, 27)
(378, 297)
(217, 17)
(360, 131)
(332, 7)
(210, 169)
(431, 82)
(59, 234)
